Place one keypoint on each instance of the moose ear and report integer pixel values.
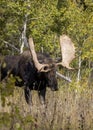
(67, 51)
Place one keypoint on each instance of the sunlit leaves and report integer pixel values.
(87, 50)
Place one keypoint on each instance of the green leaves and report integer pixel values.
(87, 50)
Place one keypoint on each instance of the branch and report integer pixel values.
(63, 77)
(24, 38)
(12, 46)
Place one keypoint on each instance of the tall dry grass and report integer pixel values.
(69, 108)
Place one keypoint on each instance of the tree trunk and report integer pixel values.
(24, 38)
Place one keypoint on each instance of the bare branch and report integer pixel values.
(12, 46)
(63, 77)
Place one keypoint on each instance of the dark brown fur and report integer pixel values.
(24, 67)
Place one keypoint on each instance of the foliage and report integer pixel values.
(46, 21)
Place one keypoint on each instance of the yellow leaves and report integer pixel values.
(87, 50)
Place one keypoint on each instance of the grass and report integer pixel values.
(66, 109)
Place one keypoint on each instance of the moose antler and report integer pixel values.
(67, 51)
(40, 67)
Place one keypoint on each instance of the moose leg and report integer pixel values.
(28, 97)
(19, 83)
(42, 94)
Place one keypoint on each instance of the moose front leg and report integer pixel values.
(42, 94)
(28, 97)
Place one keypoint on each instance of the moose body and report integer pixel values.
(35, 80)
(31, 79)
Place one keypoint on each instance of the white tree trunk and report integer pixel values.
(79, 68)
(24, 38)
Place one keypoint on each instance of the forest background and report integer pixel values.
(45, 21)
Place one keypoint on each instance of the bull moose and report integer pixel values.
(37, 70)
